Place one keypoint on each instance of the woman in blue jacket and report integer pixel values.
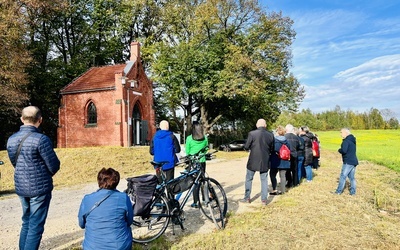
(106, 215)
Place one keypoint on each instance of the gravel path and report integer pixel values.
(62, 230)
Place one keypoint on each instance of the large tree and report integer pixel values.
(226, 59)
(14, 58)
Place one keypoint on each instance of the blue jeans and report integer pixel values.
(34, 214)
(300, 168)
(249, 182)
(347, 171)
(308, 172)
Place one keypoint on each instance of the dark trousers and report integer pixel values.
(292, 174)
(196, 188)
(282, 175)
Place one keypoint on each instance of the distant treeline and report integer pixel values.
(338, 118)
(325, 121)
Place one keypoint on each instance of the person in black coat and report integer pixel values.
(260, 142)
(291, 175)
(348, 151)
(308, 155)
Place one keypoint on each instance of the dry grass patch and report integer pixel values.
(81, 165)
(311, 217)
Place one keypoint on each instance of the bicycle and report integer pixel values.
(164, 207)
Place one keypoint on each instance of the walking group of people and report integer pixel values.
(265, 157)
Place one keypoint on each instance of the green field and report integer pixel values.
(378, 146)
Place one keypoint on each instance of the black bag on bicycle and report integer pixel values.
(141, 190)
(179, 185)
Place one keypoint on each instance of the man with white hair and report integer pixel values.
(260, 142)
(348, 151)
(164, 146)
(293, 139)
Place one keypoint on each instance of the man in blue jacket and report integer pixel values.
(35, 162)
(164, 147)
(350, 161)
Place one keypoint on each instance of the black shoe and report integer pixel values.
(194, 205)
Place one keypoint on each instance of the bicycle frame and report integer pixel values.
(165, 207)
(194, 170)
(163, 188)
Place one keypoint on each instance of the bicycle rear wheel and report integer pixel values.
(147, 229)
(213, 202)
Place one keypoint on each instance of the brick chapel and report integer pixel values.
(108, 106)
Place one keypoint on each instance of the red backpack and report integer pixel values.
(284, 152)
(315, 149)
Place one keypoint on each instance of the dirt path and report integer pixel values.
(62, 230)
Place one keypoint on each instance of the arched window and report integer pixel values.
(91, 114)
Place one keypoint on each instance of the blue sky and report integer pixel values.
(346, 52)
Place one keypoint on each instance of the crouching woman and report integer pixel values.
(106, 215)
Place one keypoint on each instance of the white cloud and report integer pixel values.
(347, 53)
(371, 84)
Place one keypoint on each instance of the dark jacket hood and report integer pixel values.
(350, 138)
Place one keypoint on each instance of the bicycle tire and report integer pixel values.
(145, 230)
(218, 192)
(215, 209)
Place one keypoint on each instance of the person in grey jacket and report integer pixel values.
(35, 162)
(260, 142)
(348, 151)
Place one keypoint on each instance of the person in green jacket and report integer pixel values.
(194, 143)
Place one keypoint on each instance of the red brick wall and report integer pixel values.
(74, 132)
(111, 104)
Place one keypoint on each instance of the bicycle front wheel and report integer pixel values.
(213, 202)
(149, 228)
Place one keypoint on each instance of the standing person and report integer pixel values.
(316, 156)
(293, 139)
(260, 142)
(348, 151)
(194, 144)
(279, 165)
(301, 172)
(308, 155)
(106, 215)
(164, 147)
(35, 163)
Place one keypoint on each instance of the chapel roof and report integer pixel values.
(95, 79)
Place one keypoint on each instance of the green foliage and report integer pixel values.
(221, 59)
